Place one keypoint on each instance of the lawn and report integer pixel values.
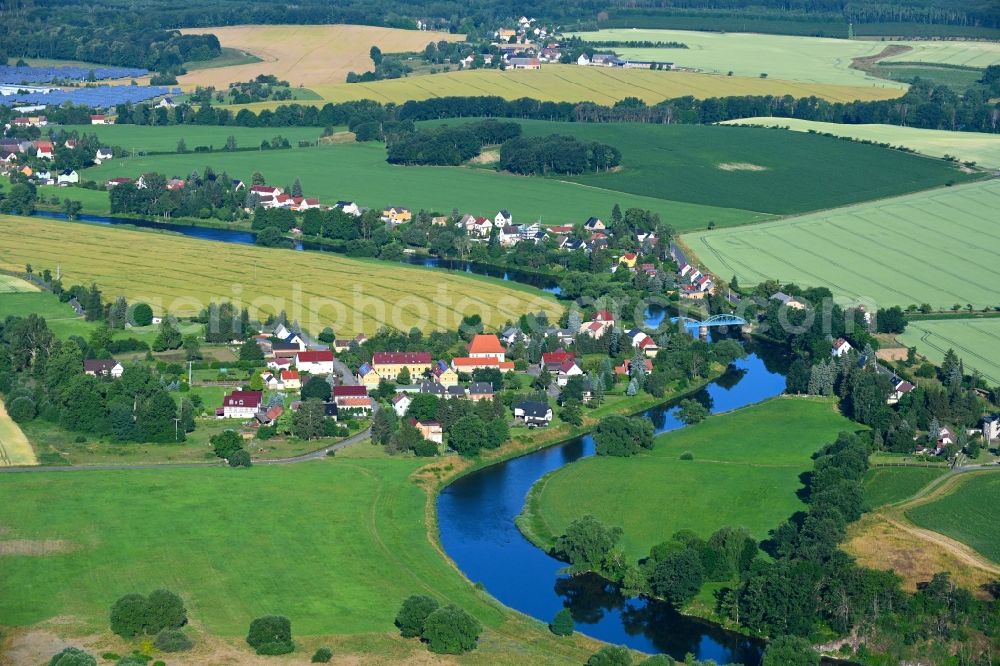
(358, 171)
(746, 472)
(932, 247)
(749, 168)
(805, 59)
(305, 54)
(976, 341)
(181, 276)
(160, 139)
(961, 514)
(885, 485)
(983, 149)
(334, 545)
(571, 83)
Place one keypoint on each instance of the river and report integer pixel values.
(476, 520)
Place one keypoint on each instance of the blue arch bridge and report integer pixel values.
(695, 327)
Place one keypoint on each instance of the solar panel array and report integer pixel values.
(99, 97)
(33, 75)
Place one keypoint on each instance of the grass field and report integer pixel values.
(305, 54)
(976, 341)
(885, 485)
(181, 276)
(15, 285)
(144, 138)
(983, 149)
(931, 247)
(745, 473)
(955, 78)
(334, 545)
(756, 169)
(961, 514)
(14, 446)
(358, 171)
(804, 59)
(966, 54)
(229, 57)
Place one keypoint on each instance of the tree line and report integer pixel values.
(448, 145)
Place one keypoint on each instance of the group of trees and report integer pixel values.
(556, 154)
(43, 377)
(203, 196)
(448, 145)
(385, 67)
(228, 445)
(160, 614)
(445, 629)
(262, 88)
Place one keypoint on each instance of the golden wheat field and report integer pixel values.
(181, 276)
(306, 55)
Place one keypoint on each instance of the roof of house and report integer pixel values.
(349, 391)
(480, 388)
(314, 356)
(289, 374)
(400, 397)
(486, 344)
(400, 358)
(355, 401)
(602, 315)
(465, 361)
(567, 365)
(557, 356)
(431, 387)
(533, 408)
(99, 365)
(243, 399)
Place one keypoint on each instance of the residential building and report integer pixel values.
(502, 219)
(397, 215)
(991, 427)
(98, 119)
(352, 397)
(400, 403)
(533, 413)
(348, 207)
(290, 380)
(429, 430)
(788, 301)
(368, 377)
(241, 404)
(486, 346)
(107, 367)
(43, 150)
(567, 369)
(594, 224)
(389, 364)
(432, 388)
(468, 364)
(840, 346)
(314, 362)
(480, 391)
(552, 361)
(444, 374)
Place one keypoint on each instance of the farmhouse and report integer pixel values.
(98, 119)
(533, 413)
(388, 365)
(314, 362)
(524, 63)
(67, 177)
(486, 346)
(43, 150)
(240, 405)
(103, 368)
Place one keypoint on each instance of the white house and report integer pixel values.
(400, 403)
(567, 369)
(67, 177)
(533, 413)
(502, 219)
(314, 362)
(348, 207)
(991, 427)
(43, 150)
(240, 405)
(102, 155)
(100, 120)
(840, 346)
(103, 368)
(583, 60)
(509, 236)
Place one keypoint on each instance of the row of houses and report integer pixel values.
(611, 60)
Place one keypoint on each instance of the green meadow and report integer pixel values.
(962, 514)
(931, 247)
(334, 545)
(359, 172)
(746, 472)
(886, 485)
(159, 139)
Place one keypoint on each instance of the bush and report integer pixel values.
(72, 656)
(451, 630)
(562, 624)
(611, 655)
(164, 610)
(412, 614)
(271, 634)
(322, 656)
(687, 455)
(172, 640)
(142, 315)
(128, 615)
(22, 409)
(240, 459)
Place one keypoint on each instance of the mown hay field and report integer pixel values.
(359, 172)
(790, 58)
(163, 139)
(960, 514)
(15, 285)
(306, 55)
(571, 83)
(964, 54)
(751, 168)
(931, 247)
(14, 446)
(745, 473)
(182, 276)
(976, 341)
(978, 147)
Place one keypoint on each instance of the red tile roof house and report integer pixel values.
(487, 346)
(552, 360)
(351, 397)
(241, 404)
(314, 362)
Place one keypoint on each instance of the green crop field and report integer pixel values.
(358, 171)
(983, 149)
(805, 59)
(756, 169)
(15, 285)
(966, 54)
(958, 79)
(932, 247)
(334, 545)
(962, 514)
(181, 276)
(745, 473)
(158, 139)
(976, 341)
(885, 485)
